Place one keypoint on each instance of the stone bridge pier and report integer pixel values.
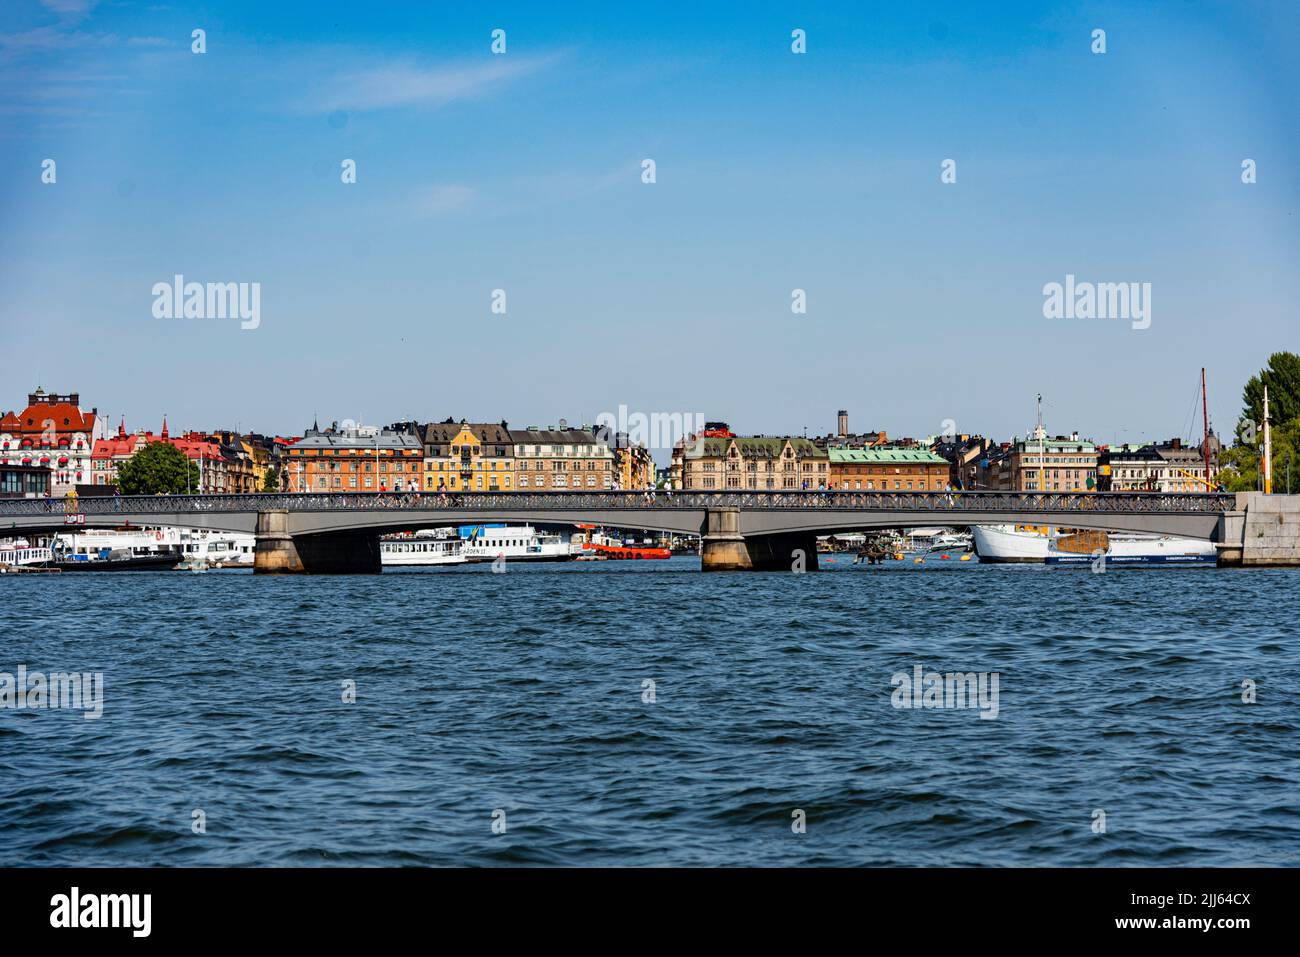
(328, 553)
(725, 549)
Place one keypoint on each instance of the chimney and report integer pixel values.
(842, 422)
(1176, 443)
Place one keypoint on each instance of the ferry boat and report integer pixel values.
(592, 542)
(422, 548)
(22, 552)
(1129, 548)
(486, 543)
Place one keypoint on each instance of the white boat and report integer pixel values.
(214, 549)
(21, 552)
(1011, 543)
(421, 549)
(516, 543)
(1129, 548)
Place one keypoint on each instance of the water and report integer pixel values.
(522, 693)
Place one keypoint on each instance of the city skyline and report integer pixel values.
(775, 172)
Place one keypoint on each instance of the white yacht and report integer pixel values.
(1011, 543)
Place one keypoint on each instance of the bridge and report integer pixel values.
(741, 530)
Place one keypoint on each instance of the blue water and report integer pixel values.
(522, 693)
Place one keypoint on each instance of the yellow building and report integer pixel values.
(468, 457)
(633, 466)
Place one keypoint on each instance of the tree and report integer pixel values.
(158, 467)
(1282, 376)
(270, 480)
(1241, 463)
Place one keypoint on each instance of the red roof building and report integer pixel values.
(55, 432)
(217, 472)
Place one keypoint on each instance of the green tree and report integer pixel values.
(1241, 463)
(270, 480)
(158, 467)
(1282, 376)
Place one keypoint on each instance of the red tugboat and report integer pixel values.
(594, 543)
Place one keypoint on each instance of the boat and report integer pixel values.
(112, 560)
(487, 543)
(216, 549)
(1011, 543)
(592, 542)
(422, 548)
(22, 552)
(1129, 548)
(628, 552)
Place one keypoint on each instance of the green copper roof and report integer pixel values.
(887, 456)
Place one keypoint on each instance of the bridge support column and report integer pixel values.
(724, 549)
(330, 553)
(276, 553)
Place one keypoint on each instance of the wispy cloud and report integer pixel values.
(70, 9)
(443, 199)
(410, 84)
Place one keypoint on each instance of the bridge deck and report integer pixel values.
(1194, 514)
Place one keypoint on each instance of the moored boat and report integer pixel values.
(1129, 548)
(1011, 543)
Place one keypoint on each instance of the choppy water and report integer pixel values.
(523, 692)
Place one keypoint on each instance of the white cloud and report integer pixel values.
(408, 84)
(443, 199)
(70, 9)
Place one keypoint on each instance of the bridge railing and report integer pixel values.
(945, 502)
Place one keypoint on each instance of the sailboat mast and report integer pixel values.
(1205, 419)
(1268, 450)
(1041, 435)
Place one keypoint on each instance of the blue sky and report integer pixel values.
(775, 171)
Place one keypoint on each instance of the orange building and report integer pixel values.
(362, 459)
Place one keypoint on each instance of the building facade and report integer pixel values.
(1060, 464)
(563, 459)
(220, 469)
(467, 457)
(634, 467)
(360, 459)
(758, 463)
(888, 470)
(1156, 467)
(55, 432)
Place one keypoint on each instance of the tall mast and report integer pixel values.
(1205, 418)
(1268, 450)
(1041, 435)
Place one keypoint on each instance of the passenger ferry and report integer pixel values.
(422, 548)
(486, 543)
